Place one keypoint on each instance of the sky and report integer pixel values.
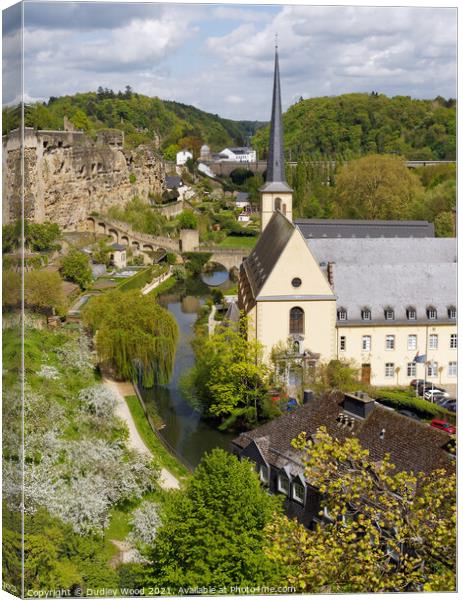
(219, 57)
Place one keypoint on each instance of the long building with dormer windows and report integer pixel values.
(378, 293)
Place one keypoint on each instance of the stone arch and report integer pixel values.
(135, 245)
(114, 234)
(148, 248)
(101, 228)
(90, 226)
(124, 239)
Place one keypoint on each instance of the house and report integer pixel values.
(242, 200)
(183, 156)
(378, 293)
(242, 154)
(119, 256)
(173, 181)
(412, 445)
(205, 153)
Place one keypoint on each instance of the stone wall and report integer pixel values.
(67, 175)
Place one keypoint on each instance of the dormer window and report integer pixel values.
(298, 492)
(283, 484)
(411, 313)
(342, 314)
(452, 312)
(389, 313)
(431, 313)
(365, 314)
(263, 474)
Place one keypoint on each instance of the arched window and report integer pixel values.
(431, 312)
(365, 313)
(296, 320)
(389, 313)
(284, 209)
(296, 348)
(277, 203)
(411, 313)
(342, 314)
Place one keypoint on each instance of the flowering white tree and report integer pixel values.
(98, 400)
(145, 523)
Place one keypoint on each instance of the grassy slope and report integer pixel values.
(151, 440)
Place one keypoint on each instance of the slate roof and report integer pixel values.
(413, 445)
(119, 247)
(173, 181)
(259, 264)
(396, 285)
(348, 228)
(384, 251)
(242, 197)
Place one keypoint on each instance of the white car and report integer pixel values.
(433, 394)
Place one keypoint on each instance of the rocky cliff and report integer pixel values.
(68, 175)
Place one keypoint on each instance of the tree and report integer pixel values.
(385, 531)
(170, 153)
(102, 253)
(212, 534)
(187, 220)
(134, 335)
(229, 378)
(43, 290)
(377, 187)
(75, 267)
(41, 237)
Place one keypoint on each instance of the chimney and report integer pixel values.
(330, 272)
(358, 404)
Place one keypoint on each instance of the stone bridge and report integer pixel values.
(228, 257)
(122, 233)
(226, 167)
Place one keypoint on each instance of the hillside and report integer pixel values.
(140, 117)
(352, 125)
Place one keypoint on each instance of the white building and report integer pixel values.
(243, 154)
(369, 292)
(183, 156)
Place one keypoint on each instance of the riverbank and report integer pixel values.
(141, 437)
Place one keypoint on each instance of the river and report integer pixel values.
(184, 430)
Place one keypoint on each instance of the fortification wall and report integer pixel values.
(67, 175)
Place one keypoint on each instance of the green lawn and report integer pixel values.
(235, 241)
(164, 286)
(151, 440)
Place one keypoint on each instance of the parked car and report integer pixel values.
(435, 394)
(415, 382)
(429, 386)
(409, 414)
(443, 426)
(449, 404)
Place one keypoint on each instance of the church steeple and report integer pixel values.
(276, 159)
(275, 181)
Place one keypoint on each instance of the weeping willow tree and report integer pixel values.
(134, 335)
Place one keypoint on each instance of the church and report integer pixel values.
(377, 293)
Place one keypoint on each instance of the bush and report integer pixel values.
(187, 220)
(132, 178)
(402, 399)
(98, 400)
(75, 267)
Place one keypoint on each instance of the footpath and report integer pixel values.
(167, 481)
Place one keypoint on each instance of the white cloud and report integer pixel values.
(198, 55)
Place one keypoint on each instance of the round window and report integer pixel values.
(296, 282)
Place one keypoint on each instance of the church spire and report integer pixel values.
(276, 180)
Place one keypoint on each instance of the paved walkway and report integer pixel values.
(166, 480)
